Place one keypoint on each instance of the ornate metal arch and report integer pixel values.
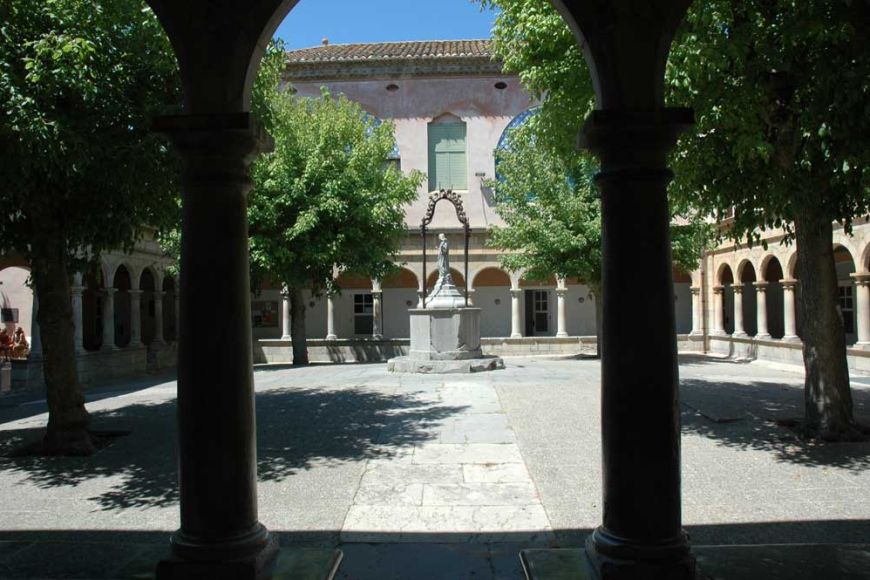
(454, 199)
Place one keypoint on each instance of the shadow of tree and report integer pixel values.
(297, 430)
(746, 415)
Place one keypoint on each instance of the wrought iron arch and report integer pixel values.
(456, 201)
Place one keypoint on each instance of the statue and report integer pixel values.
(20, 346)
(443, 258)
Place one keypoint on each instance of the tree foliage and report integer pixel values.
(81, 171)
(781, 92)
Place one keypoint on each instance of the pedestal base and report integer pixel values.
(406, 364)
(575, 564)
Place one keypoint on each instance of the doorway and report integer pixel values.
(537, 312)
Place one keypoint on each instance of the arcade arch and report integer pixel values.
(491, 291)
(401, 292)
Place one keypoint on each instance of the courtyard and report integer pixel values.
(422, 476)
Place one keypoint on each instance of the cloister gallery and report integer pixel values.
(447, 95)
(631, 131)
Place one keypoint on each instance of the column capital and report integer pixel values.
(738, 288)
(516, 292)
(761, 285)
(561, 292)
(788, 283)
(377, 293)
(110, 291)
(77, 290)
(135, 292)
(696, 290)
(861, 278)
(718, 289)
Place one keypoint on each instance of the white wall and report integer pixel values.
(495, 319)
(683, 307)
(581, 315)
(396, 321)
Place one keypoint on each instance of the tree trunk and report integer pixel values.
(596, 295)
(68, 420)
(297, 326)
(827, 397)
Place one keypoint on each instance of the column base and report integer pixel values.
(791, 338)
(516, 335)
(613, 558)
(331, 337)
(378, 336)
(861, 345)
(286, 337)
(561, 335)
(698, 333)
(248, 557)
(739, 335)
(763, 336)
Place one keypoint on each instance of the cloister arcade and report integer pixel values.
(754, 292)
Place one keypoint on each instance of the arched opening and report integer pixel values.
(146, 306)
(540, 306)
(492, 294)
(121, 283)
(726, 280)
(682, 300)
(92, 308)
(773, 274)
(170, 325)
(750, 300)
(16, 301)
(845, 265)
(400, 293)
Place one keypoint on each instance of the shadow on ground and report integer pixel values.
(745, 415)
(296, 429)
(122, 554)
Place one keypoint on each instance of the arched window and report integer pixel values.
(448, 164)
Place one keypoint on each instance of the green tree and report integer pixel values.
(79, 85)
(325, 198)
(781, 92)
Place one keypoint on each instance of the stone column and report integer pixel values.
(471, 292)
(109, 319)
(377, 295)
(330, 318)
(738, 311)
(641, 535)
(561, 318)
(158, 318)
(761, 309)
(177, 315)
(35, 338)
(78, 321)
(220, 534)
(135, 318)
(516, 313)
(697, 312)
(285, 315)
(718, 307)
(790, 327)
(862, 308)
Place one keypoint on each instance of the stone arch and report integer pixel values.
(491, 289)
(865, 257)
(724, 275)
(844, 263)
(350, 281)
(147, 310)
(403, 278)
(791, 266)
(170, 323)
(746, 278)
(725, 278)
(772, 273)
(93, 282)
(122, 282)
(746, 271)
(529, 282)
(490, 276)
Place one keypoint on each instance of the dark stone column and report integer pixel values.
(220, 536)
(642, 535)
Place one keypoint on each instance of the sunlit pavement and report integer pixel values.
(459, 470)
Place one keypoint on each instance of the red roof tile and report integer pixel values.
(386, 51)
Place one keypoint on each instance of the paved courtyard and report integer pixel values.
(448, 474)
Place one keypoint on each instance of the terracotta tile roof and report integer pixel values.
(389, 51)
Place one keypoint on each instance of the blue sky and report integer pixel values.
(347, 21)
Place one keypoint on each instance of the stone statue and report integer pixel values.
(443, 257)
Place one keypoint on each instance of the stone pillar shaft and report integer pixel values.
(377, 332)
(135, 318)
(697, 314)
(718, 310)
(109, 319)
(561, 317)
(738, 310)
(639, 398)
(158, 317)
(790, 327)
(216, 420)
(330, 318)
(285, 315)
(78, 321)
(862, 307)
(761, 309)
(516, 314)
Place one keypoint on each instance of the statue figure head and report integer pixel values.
(442, 237)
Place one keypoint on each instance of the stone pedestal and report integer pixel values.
(445, 340)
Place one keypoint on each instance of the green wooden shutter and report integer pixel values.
(447, 162)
